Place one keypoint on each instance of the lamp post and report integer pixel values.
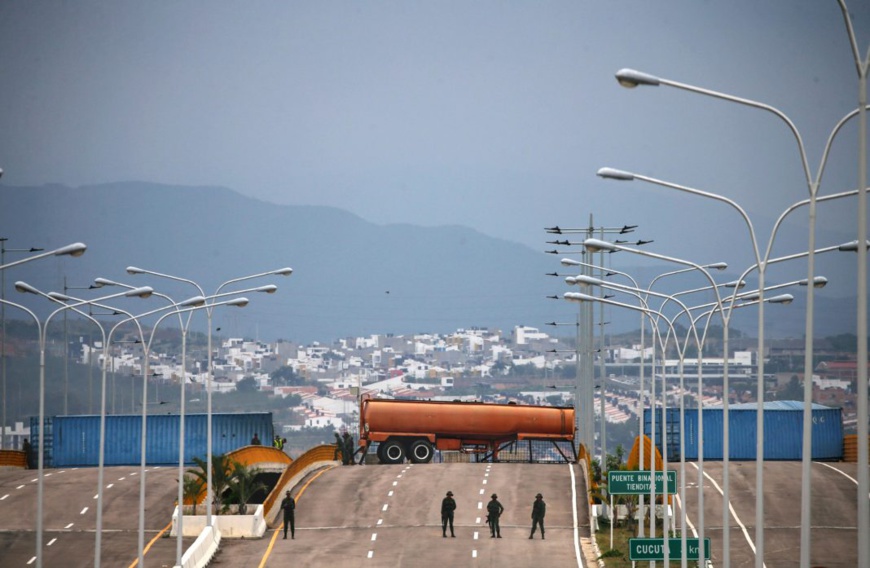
(580, 297)
(190, 305)
(42, 329)
(595, 245)
(100, 282)
(286, 271)
(761, 263)
(630, 78)
(75, 249)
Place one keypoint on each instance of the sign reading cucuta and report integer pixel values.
(654, 549)
(638, 482)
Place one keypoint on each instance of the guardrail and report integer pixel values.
(13, 458)
(317, 456)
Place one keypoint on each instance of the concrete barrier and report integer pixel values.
(202, 550)
(229, 526)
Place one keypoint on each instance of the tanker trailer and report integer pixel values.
(413, 429)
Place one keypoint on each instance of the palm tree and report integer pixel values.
(244, 484)
(221, 468)
(192, 488)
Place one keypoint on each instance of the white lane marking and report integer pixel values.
(134, 473)
(574, 511)
(843, 473)
(61, 471)
(52, 541)
(395, 483)
(4, 497)
(734, 514)
(477, 522)
(121, 478)
(34, 480)
(69, 526)
(479, 505)
(390, 494)
(399, 476)
(380, 521)
(385, 507)
(109, 486)
(20, 487)
(371, 553)
(96, 496)
(475, 535)
(474, 553)
(47, 475)
(85, 510)
(374, 537)
(31, 561)
(481, 491)
(484, 482)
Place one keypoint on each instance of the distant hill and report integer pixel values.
(351, 277)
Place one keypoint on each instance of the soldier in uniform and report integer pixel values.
(339, 448)
(448, 505)
(348, 449)
(288, 505)
(495, 509)
(539, 509)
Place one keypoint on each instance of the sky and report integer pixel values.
(494, 115)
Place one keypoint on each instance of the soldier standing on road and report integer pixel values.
(539, 509)
(448, 505)
(25, 447)
(339, 448)
(288, 505)
(348, 449)
(495, 509)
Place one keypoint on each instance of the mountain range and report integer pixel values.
(350, 277)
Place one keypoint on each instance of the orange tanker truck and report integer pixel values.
(414, 429)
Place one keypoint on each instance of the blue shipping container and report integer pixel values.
(783, 432)
(74, 440)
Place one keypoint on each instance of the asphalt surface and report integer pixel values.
(378, 515)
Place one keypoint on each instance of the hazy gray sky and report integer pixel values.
(494, 115)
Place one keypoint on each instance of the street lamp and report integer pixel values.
(42, 329)
(75, 249)
(630, 78)
(286, 271)
(761, 263)
(3, 251)
(189, 305)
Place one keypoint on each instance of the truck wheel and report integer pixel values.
(421, 451)
(393, 452)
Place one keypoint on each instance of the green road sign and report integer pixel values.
(654, 549)
(637, 482)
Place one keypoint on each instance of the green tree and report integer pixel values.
(221, 475)
(794, 390)
(248, 384)
(286, 376)
(192, 487)
(243, 484)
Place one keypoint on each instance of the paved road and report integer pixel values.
(834, 512)
(380, 515)
(70, 516)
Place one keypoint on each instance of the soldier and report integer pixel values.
(28, 451)
(539, 509)
(288, 505)
(448, 505)
(495, 509)
(339, 448)
(255, 441)
(348, 449)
